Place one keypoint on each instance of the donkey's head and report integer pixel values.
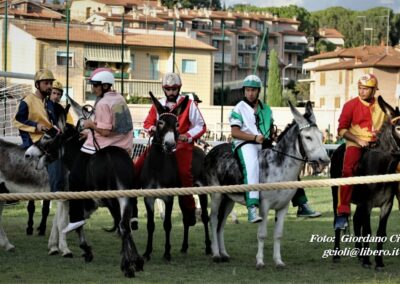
(166, 133)
(310, 138)
(49, 147)
(391, 130)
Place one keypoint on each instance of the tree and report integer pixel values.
(325, 46)
(274, 97)
(302, 90)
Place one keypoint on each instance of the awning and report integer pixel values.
(104, 53)
(295, 39)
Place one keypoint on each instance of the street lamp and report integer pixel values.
(283, 75)
(365, 21)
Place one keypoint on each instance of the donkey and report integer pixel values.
(111, 168)
(23, 176)
(299, 143)
(160, 171)
(381, 158)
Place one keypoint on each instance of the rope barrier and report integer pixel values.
(199, 190)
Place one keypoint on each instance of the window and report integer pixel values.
(322, 79)
(215, 43)
(154, 69)
(337, 102)
(238, 23)
(321, 102)
(189, 66)
(62, 58)
(132, 64)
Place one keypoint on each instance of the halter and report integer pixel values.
(156, 133)
(394, 120)
(300, 143)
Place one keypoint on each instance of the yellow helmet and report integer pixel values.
(44, 74)
(368, 80)
(57, 85)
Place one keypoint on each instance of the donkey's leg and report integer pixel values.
(205, 219)
(60, 221)
(366, 231)
(185, 242)
(336, 247)
(31, 212)
(167, 227)
(278, 233)
(223, 216)
(87, 250)
(128, 251)
(358, 226)
(45, 213)
(216, 200)
(4, 242)
(262, 234)
(161, 208)
(149, 203)
(383, 218)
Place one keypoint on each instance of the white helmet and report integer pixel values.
(103, 76)
(171, 80)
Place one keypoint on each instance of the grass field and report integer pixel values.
(31, 264)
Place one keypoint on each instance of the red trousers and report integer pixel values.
(184, 155)
(351, 157)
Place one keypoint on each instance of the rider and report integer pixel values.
(56, 95)
(251, 123)
(35, 115)
(112, 126)
(191, 127)
(359, 122)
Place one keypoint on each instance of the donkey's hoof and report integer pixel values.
(53, 251)
(208, 251)
(366, 265)
(146, 257)
(280, 265)
(87, 256)
(225, 258)
(260, 265)
(130, 273)
(379, 268)
(336, 259)
(68, 255)
(10, 248)
(41, 230)
(29, 231)
(216, 259)
(167, 257)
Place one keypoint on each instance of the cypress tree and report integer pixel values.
(274, 95)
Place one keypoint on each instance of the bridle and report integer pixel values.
(157, 139)
(302, 151)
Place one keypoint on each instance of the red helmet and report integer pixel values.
(368, 80)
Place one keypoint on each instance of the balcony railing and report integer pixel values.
(117, 75)
(293, 47)
(247, 48)
(134, 87)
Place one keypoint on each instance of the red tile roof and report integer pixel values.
(329, 33)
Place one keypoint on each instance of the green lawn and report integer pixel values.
(31, 264)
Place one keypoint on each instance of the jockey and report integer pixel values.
(359, 122)
(56, 95)
(35, 114)
(251, 125)
(191, 127)
(112, 126)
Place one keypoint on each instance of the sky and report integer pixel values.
(315, 5)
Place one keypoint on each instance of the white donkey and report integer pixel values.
(300, 142)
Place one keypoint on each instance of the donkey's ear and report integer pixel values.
(296, 114)
(76, 108)
(160, 109)
(67, 109)
(309, 114)
(181, 107)
(386, 108)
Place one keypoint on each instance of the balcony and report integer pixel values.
(246, 65)
(289, 47)
(117, 75)
(247, 48)
(227, 57)
(132, 87)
